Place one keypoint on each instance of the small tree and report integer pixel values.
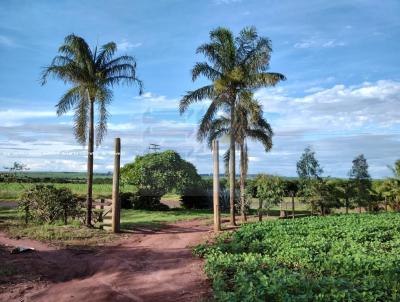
(309, 172)
(361, 181)
(345, 193)
(325, 195)
(156, 174)
(48, 204)
(13, 174)
(270, 191)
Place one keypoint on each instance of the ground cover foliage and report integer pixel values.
(335, 258)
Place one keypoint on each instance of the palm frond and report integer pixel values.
(205, 70)
(69, 100)
(81, 119)
(205, 92)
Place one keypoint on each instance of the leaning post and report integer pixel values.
(116, 206)
(217, 215)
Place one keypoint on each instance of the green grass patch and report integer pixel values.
(131, 219)
(352, 257)
(71, 234)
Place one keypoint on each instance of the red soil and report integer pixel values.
(147, 266)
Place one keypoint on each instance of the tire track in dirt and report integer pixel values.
(145, 266)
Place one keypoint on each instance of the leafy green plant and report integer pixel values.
(46, 203)
(335, 258)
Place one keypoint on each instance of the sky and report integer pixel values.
(341, 97)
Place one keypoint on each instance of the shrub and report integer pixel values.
(45, 203)
(127, 199)
(197, 197)
(145, 201)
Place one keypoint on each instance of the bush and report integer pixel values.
(45, 203)
(197, 197)
(335, 258)
(127, 199)
(141, 200)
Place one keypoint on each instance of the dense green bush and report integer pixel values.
(127, 199)
(140, 200)
(336, 258)
(46, 203)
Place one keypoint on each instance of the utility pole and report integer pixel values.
(154, 148)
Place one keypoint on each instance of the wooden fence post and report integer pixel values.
(116, 206)
(292, 195)
(217, 215)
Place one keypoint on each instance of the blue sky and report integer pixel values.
(341, 59)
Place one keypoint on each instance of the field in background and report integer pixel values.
(12, 191)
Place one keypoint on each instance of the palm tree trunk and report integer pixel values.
(232, 171)
(242, 183)
(90, 164)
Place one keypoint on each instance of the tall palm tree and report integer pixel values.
(235, 66)
(92, 74)
(249, 123)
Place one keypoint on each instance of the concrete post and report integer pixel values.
(217, 215)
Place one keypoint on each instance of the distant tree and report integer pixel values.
(325, 195)
(270, 191)
(390, 188)
(92, 73)
(235, 66)
(345, 191)
(309, 172)
(13, 172)
(361, 181)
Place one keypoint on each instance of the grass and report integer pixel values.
(71, 234)
(131, 219)
(11, 191)
(75, 234)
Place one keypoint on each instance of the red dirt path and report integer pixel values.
(148, 266)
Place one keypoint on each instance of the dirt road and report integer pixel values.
(146, 266)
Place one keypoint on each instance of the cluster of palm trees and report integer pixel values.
(236, 67)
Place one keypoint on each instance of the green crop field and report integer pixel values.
(11, 191)
(335, 258)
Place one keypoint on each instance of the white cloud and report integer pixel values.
(125, 45)
(340, 122)
(319, 43)
(219, 2)
(333, 43)
(6, 41)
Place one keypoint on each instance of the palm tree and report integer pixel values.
(92, 74)
(235, 66)
(249, 123)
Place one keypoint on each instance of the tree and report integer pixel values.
(309, 172)
(390, 188)
(92, 74)
(249, 123)
(270, 191)
(236, 66)
(325, 195)
(345, 192)
(156, 174)
(13, 174)
(361, 182)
